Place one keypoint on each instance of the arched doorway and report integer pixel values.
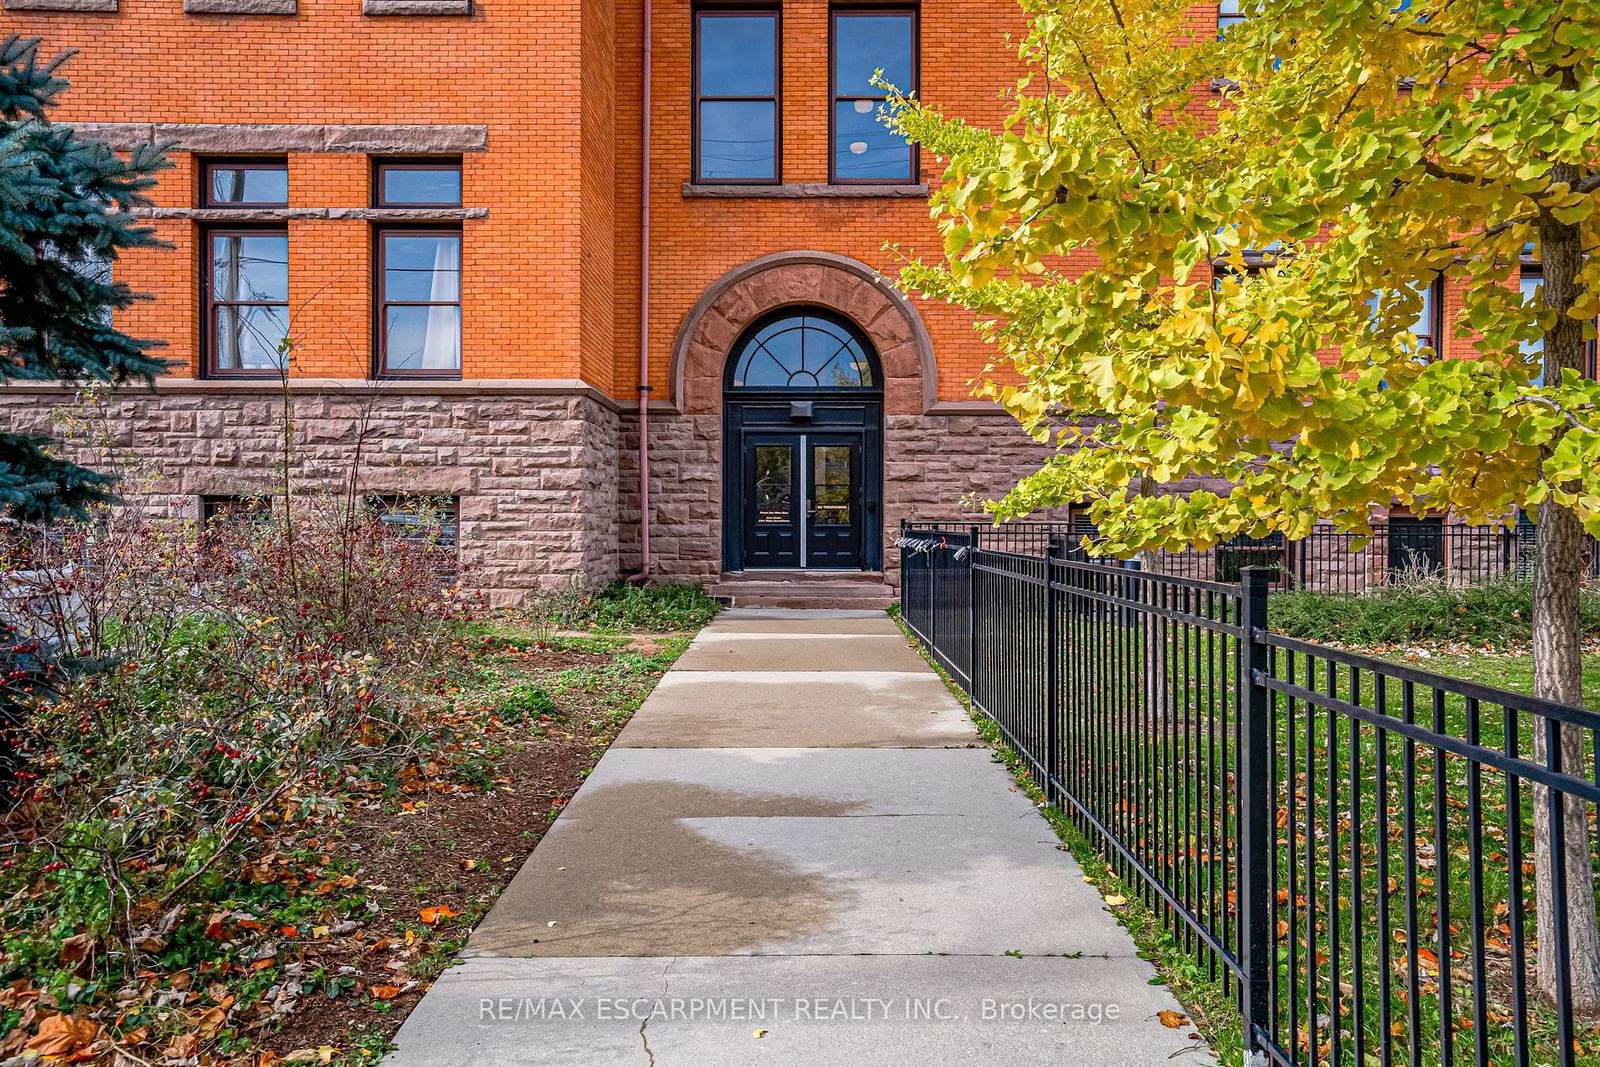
(802, 483)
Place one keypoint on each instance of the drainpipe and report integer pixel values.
(644, 306)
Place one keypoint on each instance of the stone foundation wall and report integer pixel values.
(535, 474)
(933, 463)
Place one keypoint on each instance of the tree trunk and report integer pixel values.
(1558, 572)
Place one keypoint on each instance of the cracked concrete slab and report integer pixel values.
(789, 709)
(911, 781)
(814, 828)
(796, 1011)
(726, 651)
(666, 869)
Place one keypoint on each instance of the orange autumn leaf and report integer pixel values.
(437, 914)
(385, 992)
(1172, 1019)
(62, 1035)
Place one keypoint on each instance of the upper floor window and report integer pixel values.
(417, 183)
(419, 303)
(867, 40)
(1230, 13)
(736, 77)
(245, 298)
(1531, 285)
(245, 183)
(1426, 329)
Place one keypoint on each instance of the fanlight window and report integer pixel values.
(803, 352)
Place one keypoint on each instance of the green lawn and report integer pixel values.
(1514, 672)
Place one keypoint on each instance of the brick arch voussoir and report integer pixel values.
(791, 279)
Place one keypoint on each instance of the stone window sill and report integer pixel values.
(416, 7)
(240, 7)
(284, 214)
(802, 191)
(78, 6)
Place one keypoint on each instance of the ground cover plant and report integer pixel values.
(1497, 614)
(292, 764)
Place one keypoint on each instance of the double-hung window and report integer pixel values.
(1426, 329)
(736, 79)
(1531, 285)
(245, 271)
(418, 325)
(419, 302)
(867, 40)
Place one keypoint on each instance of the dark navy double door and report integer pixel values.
(805, 495)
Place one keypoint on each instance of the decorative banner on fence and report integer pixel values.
(923, 545)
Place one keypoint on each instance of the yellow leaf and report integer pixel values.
(1172, 1019)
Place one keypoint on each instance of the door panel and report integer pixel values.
(833, 502)
(772, 502)
(802, 489)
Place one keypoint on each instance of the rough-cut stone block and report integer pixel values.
(556, 489)
(61, 5)
(239, 7)
(416, 7)
(311, 137)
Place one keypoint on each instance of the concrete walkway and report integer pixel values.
(798, 853)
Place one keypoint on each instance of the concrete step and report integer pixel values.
(798, 600)
(802, 589)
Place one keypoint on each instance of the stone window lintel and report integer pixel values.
(416, 7)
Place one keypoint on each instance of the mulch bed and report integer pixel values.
(434, 862)
(454, 851)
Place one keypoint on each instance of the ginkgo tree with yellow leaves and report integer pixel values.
(1261, 211)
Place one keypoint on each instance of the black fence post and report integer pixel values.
(1254, 816)
(972, 613)
(1052, 674)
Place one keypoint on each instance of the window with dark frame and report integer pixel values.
(867, 39)
(418, 326)
(1532, 277)
(1229, 14)
(736, 95)
(245, 301)
(416, 183)
(428, 520)
(1430, 321)
(244, 183)
(222, 517)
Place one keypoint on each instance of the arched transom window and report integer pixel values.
(802, 350)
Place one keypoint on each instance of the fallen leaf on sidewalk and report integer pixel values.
(1172, 1019)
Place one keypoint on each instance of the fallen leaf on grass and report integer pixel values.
(62, 1035)
(1116, 901)
(437, 914)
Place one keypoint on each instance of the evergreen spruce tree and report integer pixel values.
(65, 212)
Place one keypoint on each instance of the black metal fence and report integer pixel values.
(1345, 844)
(1326, 560)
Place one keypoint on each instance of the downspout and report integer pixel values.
(644, 307)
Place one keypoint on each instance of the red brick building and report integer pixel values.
(439, 203)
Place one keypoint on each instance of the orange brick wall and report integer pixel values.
(966, 62)
(514, 66)
(550, 278)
